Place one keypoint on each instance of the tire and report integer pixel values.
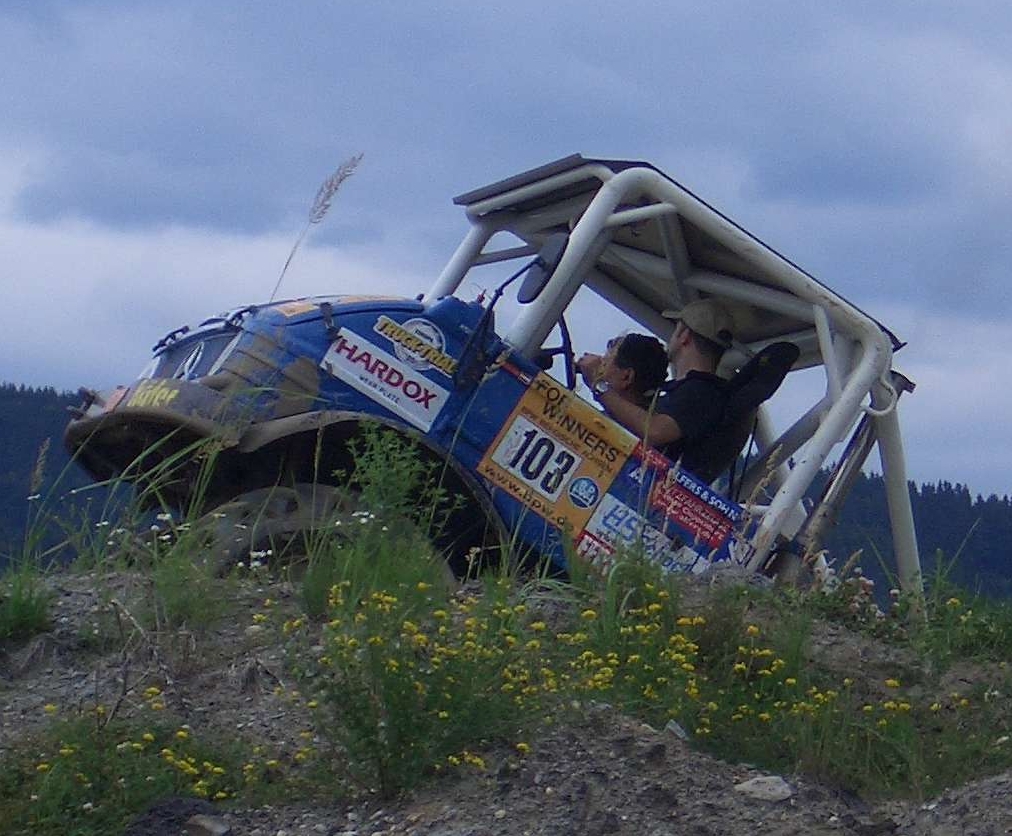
(273, 523)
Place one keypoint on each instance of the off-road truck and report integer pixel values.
(487, 388)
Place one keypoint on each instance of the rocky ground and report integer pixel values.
(602, 773)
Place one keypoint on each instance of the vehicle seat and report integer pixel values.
(754, 383)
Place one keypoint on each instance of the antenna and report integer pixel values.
(318, 211)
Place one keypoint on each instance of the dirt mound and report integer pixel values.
(593, 771)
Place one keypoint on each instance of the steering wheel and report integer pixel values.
(565, 350)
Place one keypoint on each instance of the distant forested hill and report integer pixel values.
(972, 533)
(949, 519)
(28, 417)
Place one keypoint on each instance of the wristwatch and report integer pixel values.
(601, 387)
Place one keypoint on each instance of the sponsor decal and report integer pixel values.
(382, 377)
(685, 559)
(358, 298)
(418, 343)
(578, 422)
(694, 507)
(583, 492)
(152, 394)
(527, 495)
(556, 454)
(535, 458)
(299, 306)
(115, 399)
(615, 524)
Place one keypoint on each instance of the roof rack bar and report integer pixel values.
(842, 414)
(677, 253)
(505, 255)
(829, 358)
(585, 244)
(460, 262)
(626, 302)
(566, 178)
(625, 217)
(775, 451)
(764, 297)
(894, 473)
(544, 220)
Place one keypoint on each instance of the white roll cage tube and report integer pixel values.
(857, 361)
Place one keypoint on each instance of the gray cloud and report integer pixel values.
(181, 143)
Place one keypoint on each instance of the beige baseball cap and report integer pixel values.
(707, 318)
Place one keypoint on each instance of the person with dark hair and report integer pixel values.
(633, 367)
(692, 404)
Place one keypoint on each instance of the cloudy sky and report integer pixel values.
(157, 160)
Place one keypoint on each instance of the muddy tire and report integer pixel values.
(276, 523)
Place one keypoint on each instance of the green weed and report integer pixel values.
(24, 602)
(84, 777)
(413, 680)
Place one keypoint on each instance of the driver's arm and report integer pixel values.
(655, 428)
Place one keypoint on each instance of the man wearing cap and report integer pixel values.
(689, 406)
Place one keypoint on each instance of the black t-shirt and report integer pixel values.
(696, 402)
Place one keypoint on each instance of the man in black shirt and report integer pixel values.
(692, 404)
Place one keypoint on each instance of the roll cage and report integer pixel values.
(645, 244)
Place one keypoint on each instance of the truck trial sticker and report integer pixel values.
(553, 440)
(419, 343)
(382, 377)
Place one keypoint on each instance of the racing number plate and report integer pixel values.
(535, 458)
(556, 454)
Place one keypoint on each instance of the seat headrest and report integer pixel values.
(759, 378)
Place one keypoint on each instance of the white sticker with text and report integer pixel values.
(382, 377)
(535, 458)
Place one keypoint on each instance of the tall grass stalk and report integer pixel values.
(319, 208)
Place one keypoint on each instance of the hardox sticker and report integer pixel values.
(382, 377)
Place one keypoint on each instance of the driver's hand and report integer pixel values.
(589, 365)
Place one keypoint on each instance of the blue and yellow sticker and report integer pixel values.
(556, 454)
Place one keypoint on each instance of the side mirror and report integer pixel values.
(543, 267)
